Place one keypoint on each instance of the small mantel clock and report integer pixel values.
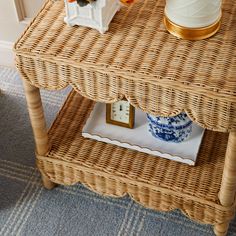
(120, 113)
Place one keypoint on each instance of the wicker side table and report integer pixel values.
(156, 72)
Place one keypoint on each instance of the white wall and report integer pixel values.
(14, 17)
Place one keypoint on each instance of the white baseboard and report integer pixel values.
(6, 54)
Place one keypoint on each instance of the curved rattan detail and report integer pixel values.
(217, 115)
(138, 58)
(212, 119)
(147, 196)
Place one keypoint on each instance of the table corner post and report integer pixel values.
(38, 124)
(228, 183)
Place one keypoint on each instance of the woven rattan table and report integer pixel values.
(156, 72)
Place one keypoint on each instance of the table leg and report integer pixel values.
(47, 183)
(228, 184)
(38, 123)
(221, 229)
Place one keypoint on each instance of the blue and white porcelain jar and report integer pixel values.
(171, 129)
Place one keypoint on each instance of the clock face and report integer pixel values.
(120, 111)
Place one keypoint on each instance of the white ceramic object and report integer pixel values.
(97, 15)
(170, 129)
(193, 13)
(139, 138)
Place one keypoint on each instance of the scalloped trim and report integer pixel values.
(139, 201)
(141, 149)
(171, 112)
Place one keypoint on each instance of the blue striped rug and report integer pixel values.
(27, 209)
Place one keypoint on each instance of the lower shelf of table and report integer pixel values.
(154, 182)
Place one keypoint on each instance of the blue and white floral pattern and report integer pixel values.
(171, 129)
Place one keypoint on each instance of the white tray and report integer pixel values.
(139, 138)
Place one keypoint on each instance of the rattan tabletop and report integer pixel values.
(136, 58)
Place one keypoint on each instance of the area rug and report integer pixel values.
(27, 209)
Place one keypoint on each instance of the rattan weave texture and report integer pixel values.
(154, 182)
(138, 59)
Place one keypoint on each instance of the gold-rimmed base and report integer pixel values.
(191, 33)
